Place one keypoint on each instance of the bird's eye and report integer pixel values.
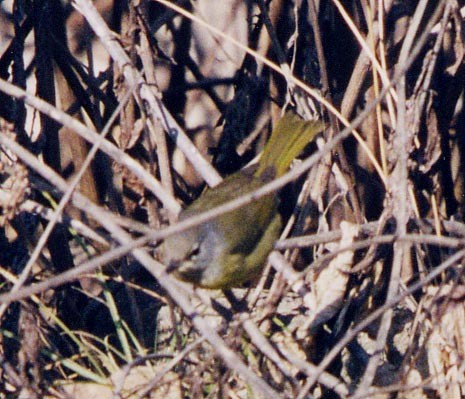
(195, 250)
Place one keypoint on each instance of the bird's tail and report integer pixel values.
(288, 139)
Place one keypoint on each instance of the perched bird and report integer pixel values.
(232, 248)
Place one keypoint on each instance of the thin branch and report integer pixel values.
(155, 106)
(91, 136)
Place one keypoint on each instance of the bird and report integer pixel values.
(230, 249)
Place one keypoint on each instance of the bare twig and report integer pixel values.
(108, 148)
(155, 108)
